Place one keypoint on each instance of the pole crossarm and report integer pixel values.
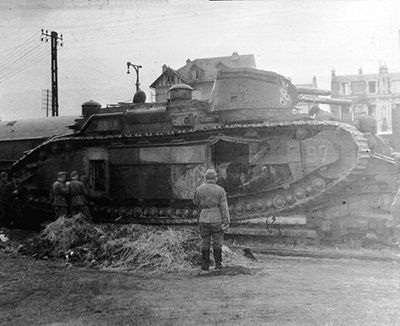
(136, 67)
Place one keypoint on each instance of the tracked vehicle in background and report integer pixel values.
(144, 160)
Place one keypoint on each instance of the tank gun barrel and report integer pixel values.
(320, 100)
(313, 91)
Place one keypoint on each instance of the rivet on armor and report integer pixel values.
(299, 194)
(279, 201)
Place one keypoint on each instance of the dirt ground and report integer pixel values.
(281, 291)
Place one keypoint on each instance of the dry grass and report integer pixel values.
(128, 247)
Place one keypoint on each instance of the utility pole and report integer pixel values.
(136, 67)
(54, 69)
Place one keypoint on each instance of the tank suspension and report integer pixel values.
(280, 199)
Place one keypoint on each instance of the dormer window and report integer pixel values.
(196, 74)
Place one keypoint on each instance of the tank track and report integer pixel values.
(314, 189)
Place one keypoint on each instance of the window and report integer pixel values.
(345, 88)
(196, 74)
(395, 86)
(372, 87)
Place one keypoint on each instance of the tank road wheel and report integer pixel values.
(249, 207)
(309, 190)
(169, 212)
(299, 194)
(289, 198)
(279, 201)
(137, 212)
(195, 213)
(319, 184)
(240, 209)
(123, 211)
(129, 213)
(259, 206)
(153, 212)
(186, 212)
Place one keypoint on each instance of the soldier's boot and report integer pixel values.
(218, 258)
(205, 253)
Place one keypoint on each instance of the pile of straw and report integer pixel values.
(129, 247)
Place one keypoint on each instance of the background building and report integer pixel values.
(199, 74)
(380, 92)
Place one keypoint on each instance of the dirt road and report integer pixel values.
(283, 291)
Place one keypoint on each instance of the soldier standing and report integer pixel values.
(60, 192)
(77, 194)
(214, 218)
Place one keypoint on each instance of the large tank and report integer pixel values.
(278, 166)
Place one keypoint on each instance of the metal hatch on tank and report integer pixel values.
(144, 160)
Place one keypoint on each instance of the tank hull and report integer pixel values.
(145, 161)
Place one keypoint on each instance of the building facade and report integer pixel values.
(199, 74)
(380, 92)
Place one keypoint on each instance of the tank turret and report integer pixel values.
(245, 94)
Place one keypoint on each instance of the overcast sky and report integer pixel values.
(298, 39)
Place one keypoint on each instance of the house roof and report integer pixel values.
(363, 77)
(209, 67)
(168, 71)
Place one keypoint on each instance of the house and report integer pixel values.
(199, 74)
(380, 92)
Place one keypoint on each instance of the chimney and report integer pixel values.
(314, 82)
(188, 62)
(383, 69)
(360, 71)
(164, 67)
(235, 56)
(333, 73)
